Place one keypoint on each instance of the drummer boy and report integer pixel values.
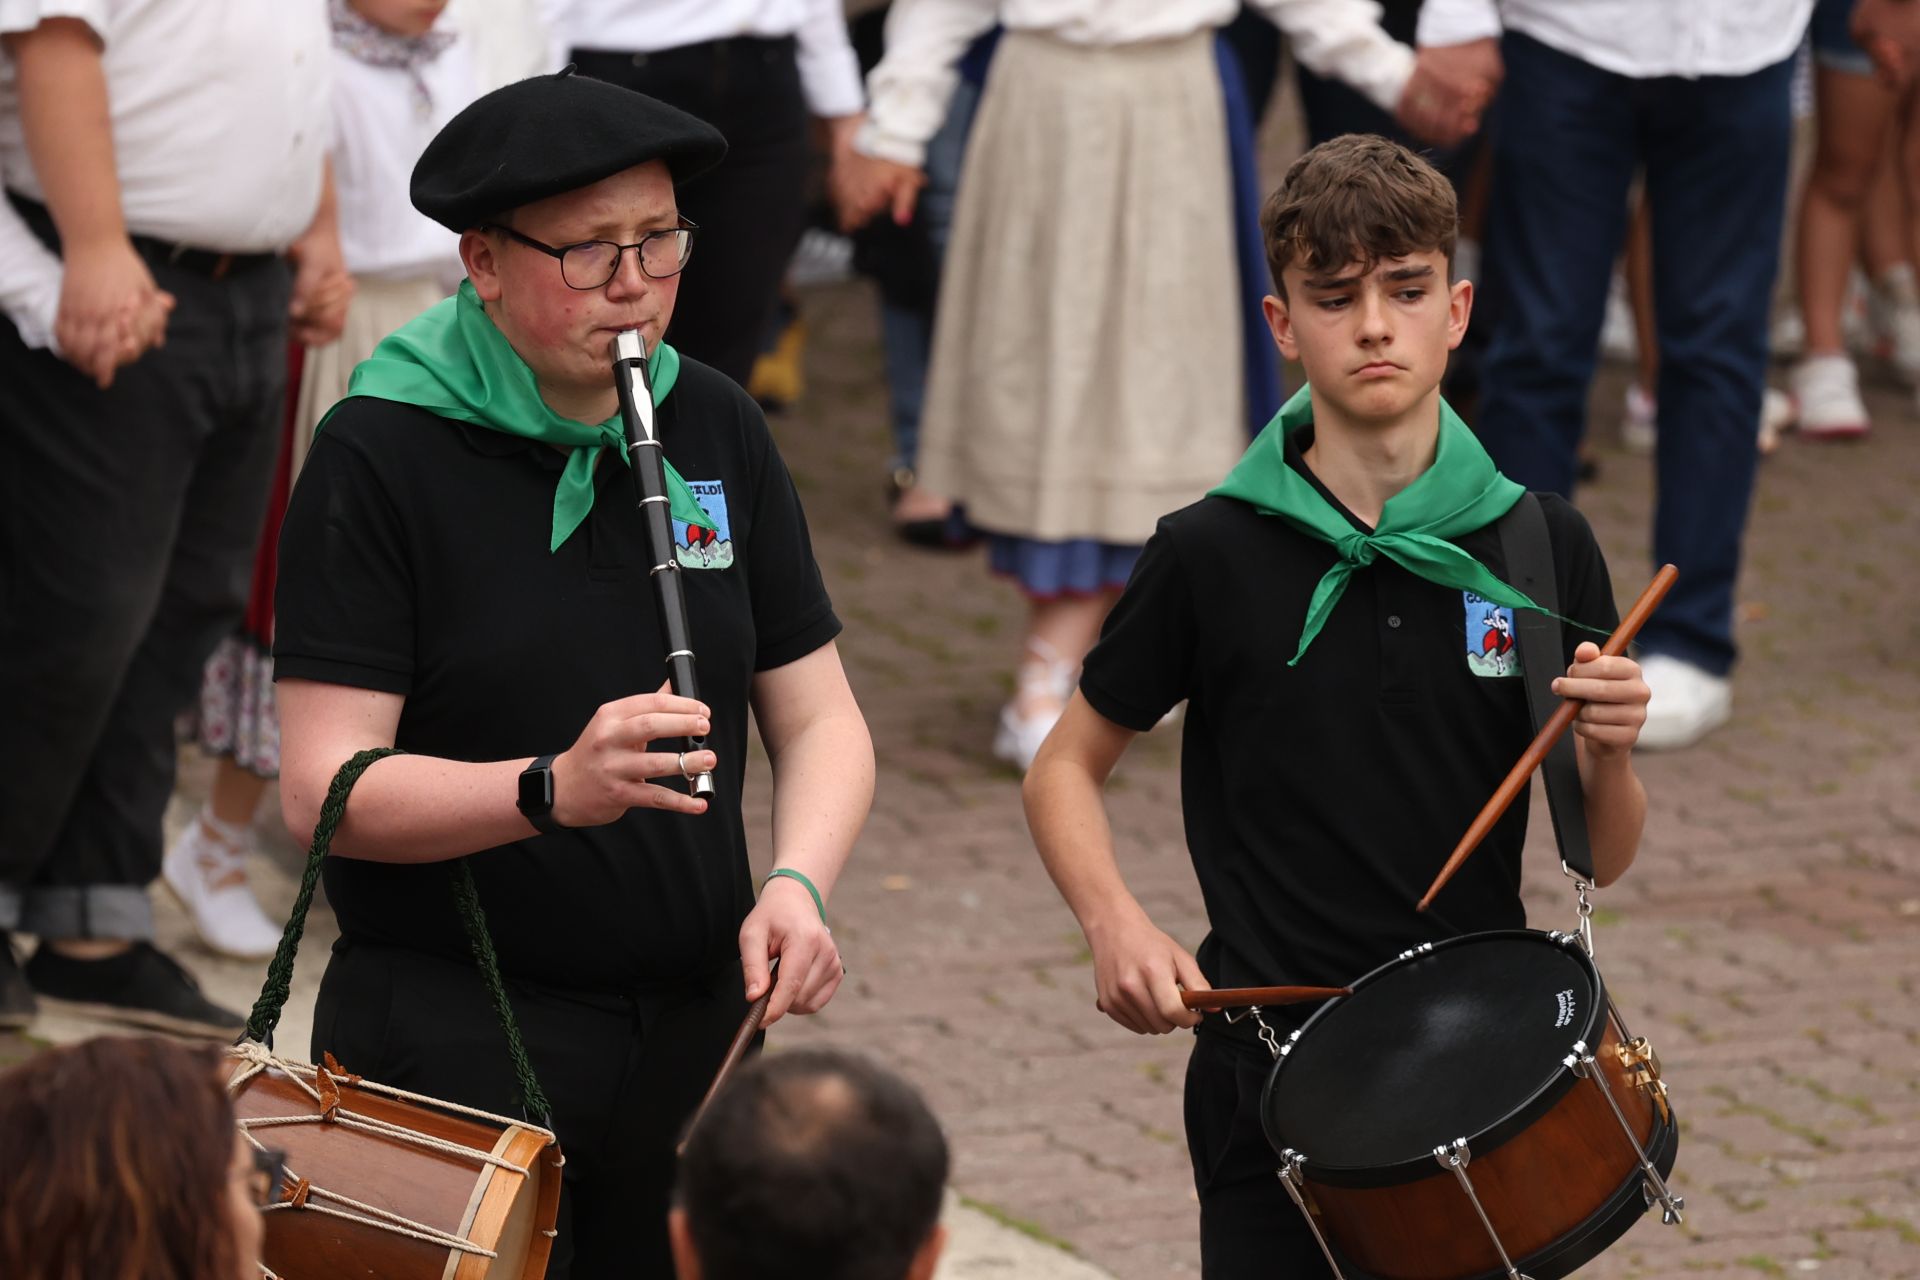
(1321, 613)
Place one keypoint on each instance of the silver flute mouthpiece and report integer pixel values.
(629, 345)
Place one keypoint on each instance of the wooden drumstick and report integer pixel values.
(1536, 752)
(1242, 997)
(735, 1051)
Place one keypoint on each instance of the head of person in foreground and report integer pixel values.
(811, 1163)
(120, 1160)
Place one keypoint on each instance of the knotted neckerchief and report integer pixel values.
(451, 360)
(359, 37)
(1460, 492)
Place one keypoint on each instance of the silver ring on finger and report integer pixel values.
(683, 766)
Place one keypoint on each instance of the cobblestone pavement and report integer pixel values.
(1768, 941)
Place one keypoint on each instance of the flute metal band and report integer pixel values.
(646, 460)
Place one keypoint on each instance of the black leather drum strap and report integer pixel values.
(1529, 556)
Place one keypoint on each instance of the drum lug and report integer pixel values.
(1302, 1196)
(1653, 1186)
(1456, 1156)
(1642, 1066)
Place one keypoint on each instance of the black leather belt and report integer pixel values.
(210, 263)
(201, 262)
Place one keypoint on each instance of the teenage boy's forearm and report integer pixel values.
(1070, 829)
(1616, 811)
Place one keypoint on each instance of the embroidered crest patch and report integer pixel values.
(707, 546)
(1490, 638)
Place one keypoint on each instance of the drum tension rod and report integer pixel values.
(1456, 1156)
(1296, 1185)
(1583, 1063)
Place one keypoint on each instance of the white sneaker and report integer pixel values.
(1894, 306)
(1688, 703)
(207, 871)
(1045, 682)
(1639, 425)
(1826, 392)
(1017, 740)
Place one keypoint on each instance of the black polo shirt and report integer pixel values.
(414, 560)
(1321, 799)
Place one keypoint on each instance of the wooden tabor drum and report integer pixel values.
(1474, 1109)
(384, 1183)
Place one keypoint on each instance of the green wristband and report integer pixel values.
(818, 902)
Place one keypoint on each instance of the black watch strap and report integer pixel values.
(536, 794)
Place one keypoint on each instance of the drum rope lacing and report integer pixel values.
(258, 1059)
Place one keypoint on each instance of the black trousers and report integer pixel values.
(128, 523)
(752, 207)
(623, 1074)
(1249, 1228)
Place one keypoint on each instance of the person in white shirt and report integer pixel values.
(1697, 96)
(1088, 361)
(401, 69)
(759, 71)
(164, 165)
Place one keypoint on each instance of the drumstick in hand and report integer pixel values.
(1516, 780)
(735, 1051)
(1265, 997)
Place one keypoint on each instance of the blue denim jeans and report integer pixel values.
(1568, 138)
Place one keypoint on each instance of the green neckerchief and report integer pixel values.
(452, 360)
(1459, 493)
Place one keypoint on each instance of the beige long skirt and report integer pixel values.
(1086, 374)
(380, 305)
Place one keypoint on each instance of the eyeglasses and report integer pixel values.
(268, 1177)
(590, 264)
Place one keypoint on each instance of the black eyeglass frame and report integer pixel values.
(558, 253)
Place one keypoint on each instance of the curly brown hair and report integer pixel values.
(114, 1164)
(1357, 198)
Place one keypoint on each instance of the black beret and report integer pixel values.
(539, 137)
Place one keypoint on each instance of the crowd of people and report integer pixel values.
(312, 430)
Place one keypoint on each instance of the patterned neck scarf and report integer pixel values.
(359, 37)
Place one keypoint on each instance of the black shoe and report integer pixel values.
(142, 986)
(17, 1005)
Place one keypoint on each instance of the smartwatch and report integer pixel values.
(536, 794)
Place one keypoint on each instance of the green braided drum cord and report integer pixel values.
(279, 984)
(532, 1099)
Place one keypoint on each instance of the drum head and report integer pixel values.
(1465, 1041)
